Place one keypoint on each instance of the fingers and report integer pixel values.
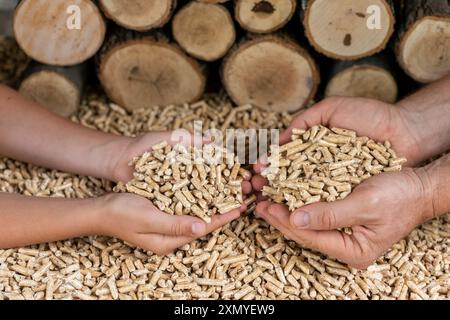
(318, 114)
(246, 187)
(163, 223)
(333, 243)
(259, 166)
(163, 244)
(330, 216)
(219, 220)
(354, 210)
(258, 182)
(262, 208)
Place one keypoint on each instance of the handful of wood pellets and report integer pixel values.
(323, 164)
(183, 180)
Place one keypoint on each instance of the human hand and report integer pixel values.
(133, 147)
(137, 221)
(381, 211)
(378, 120)
(128, 148)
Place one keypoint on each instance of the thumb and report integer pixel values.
(177, 226)
(329, 216)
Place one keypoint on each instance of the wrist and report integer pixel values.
(425, 181)
(111, 154)
(410, 134)
(102, 217)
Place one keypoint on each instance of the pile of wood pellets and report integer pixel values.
(13, 61)
(320, 164)
(246, 259)
(183, 180)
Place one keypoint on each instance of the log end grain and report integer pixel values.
(367, 81)
(272, 73)
(424, 50)
(264, 16)
(140, 15)
(339, 29)
(145, 72)
(40, 28)
(53, 91)
(205, 31)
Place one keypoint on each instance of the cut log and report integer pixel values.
(59, 89)
(139, 15)
(423, 50)
(205, 31)
(264, 16)
(47, 30)
(140, 70)
(340, 29)
(368, 78)
(270, 72)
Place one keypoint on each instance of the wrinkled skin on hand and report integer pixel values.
(380, 211)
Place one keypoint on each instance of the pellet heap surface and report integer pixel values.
(179, 180)
(322, 164)
(245, 260)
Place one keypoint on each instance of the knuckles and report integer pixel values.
(328, 219)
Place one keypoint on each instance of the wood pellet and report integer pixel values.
(184, 180)
(236, 265)
(322, 164)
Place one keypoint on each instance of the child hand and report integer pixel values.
(136, 220)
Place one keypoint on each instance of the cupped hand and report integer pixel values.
(133, 147)
(136, 220)
(381, 211)
(378, 120)
(128, 148)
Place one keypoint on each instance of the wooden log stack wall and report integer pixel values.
(269, 53)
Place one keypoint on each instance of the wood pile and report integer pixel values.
(269, 53)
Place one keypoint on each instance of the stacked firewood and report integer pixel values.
(271, 53)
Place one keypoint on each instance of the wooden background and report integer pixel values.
(274, 54)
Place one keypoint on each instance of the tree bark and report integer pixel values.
(340, 29)
(270, 72)
(264, 16)
(205, 31)
(57, 88)
(139, 15)
(143, 69)
(41, 28)
(371, 77)
(423, 48)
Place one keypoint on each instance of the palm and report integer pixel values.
(373, 210)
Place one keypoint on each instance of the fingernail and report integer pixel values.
(301, 219)
(197, 228)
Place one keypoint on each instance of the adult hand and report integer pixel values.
(375, 208)
(137, 221)
(381, 211)
(378, 120)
